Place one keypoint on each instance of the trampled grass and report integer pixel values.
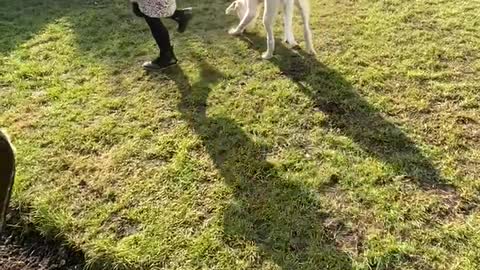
(364, 157)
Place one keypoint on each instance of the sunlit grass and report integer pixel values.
(365, 157)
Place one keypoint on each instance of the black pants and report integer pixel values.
(158, 29)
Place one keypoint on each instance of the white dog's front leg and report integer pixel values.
(288, 20)
(249, 15)
(305, 8)
(271, 9)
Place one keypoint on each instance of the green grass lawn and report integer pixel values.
(364, 157)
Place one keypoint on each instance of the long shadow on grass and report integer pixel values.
(282, 218)
(351, 115)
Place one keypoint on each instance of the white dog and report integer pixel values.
(247, 12)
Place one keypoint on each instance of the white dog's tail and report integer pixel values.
(304, 6)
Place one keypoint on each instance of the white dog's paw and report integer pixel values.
(267, 55)
(291, 44)
(311, 51)
(235, 32)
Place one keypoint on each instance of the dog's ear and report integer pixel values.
(232, 8)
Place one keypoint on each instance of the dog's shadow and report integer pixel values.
(282, 219)
(350, 114)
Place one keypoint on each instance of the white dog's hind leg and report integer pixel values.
(304, 6)
(230, 9)
(248, 17)
(288, 21)
(285, 22)
(251, 26)
(271, 9)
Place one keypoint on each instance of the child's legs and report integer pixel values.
(159, 33)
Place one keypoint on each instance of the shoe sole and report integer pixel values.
(159, 69)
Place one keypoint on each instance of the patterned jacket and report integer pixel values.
(157, 8)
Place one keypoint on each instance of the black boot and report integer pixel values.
(166, 59)
(182, 17)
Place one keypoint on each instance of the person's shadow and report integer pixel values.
(282, 218)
